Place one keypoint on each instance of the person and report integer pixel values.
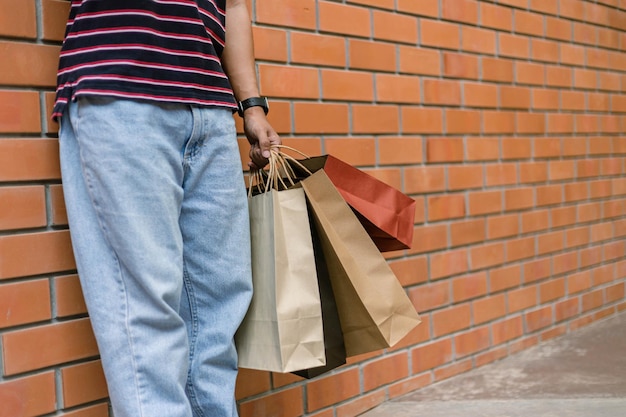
(155, 195)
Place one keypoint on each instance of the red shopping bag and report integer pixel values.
(386, 213)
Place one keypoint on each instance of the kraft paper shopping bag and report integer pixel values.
(374, 310)
(283, 330)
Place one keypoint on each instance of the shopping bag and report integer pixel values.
(374, 310)
(282, 330)
(334, 348)
(386, 213)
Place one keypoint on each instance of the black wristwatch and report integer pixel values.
(253, 102)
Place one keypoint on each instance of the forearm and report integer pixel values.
(238, 55)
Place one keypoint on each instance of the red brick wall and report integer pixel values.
(503, 119)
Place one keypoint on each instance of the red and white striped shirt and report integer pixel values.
(162, 50)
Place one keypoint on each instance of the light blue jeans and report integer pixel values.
(159, 223)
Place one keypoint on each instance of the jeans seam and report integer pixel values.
(192, 341)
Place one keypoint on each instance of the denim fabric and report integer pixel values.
(159, 224)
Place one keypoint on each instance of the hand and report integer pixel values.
(261, 136)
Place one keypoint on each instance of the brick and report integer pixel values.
(507, 330)
(329, 390)
(520, 248)
(251, 382)
(421, 120)
(424, 179)
(368, 55)
(429, 238)
(421, 61)
(497, 69)
(288, 403)
(397, 88)
(35, 253)
(504, 278)
(418, 8)
(343, 19)
(452, 370)
(521, 299)
(496, 16)
(547, 147)
(551, 290)
(519, 198)
(394, 27)
(487, 309)
(464, 177)
(538, 319)
(529, 23)
(480, 95)
(296, 82)
(432, 355)
(566, 309)
(469, 286)
(498, 122)
(478, 40)
(530, 123)
(347, 85)
(353, 150)
(561, 77)
(465, 11)
(535, 221)
(83, 383)
(67, 341)
(577, 237)
(321, 118)
(33, 395)
(270, 44)
(22, 207)
(516, 148)
(550, 242)
(18, 19)
(374, 118)
(442, 92)
(592, 300)
(19, 111)
(532, 172)
(385, 371)
(460, 65)
(448, 263)
(446, 207)
(440, 34)
(14, 310)
(482, 149)
(57, 205)
(466, 232)
(430, 296)
(54, 18)
(462, 121)
(484, 202)
(361, 404)
(291, 13)
(315, 49)
(614, 292)
(410, 271)
(501, 174)
(69, 299)
(487, 255)
(545, 99)
(545, 6)
(502, 226)
(491, 356)
(559, 29)
(514, 97)
(513, 46)
(451, 320)
(537, 269)
(544, 50)
(26, 64)
(472, 341)
(444, 149)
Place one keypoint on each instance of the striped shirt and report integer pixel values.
(161, 50)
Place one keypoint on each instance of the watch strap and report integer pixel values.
(253, 102)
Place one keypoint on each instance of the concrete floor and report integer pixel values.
(582, 374)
